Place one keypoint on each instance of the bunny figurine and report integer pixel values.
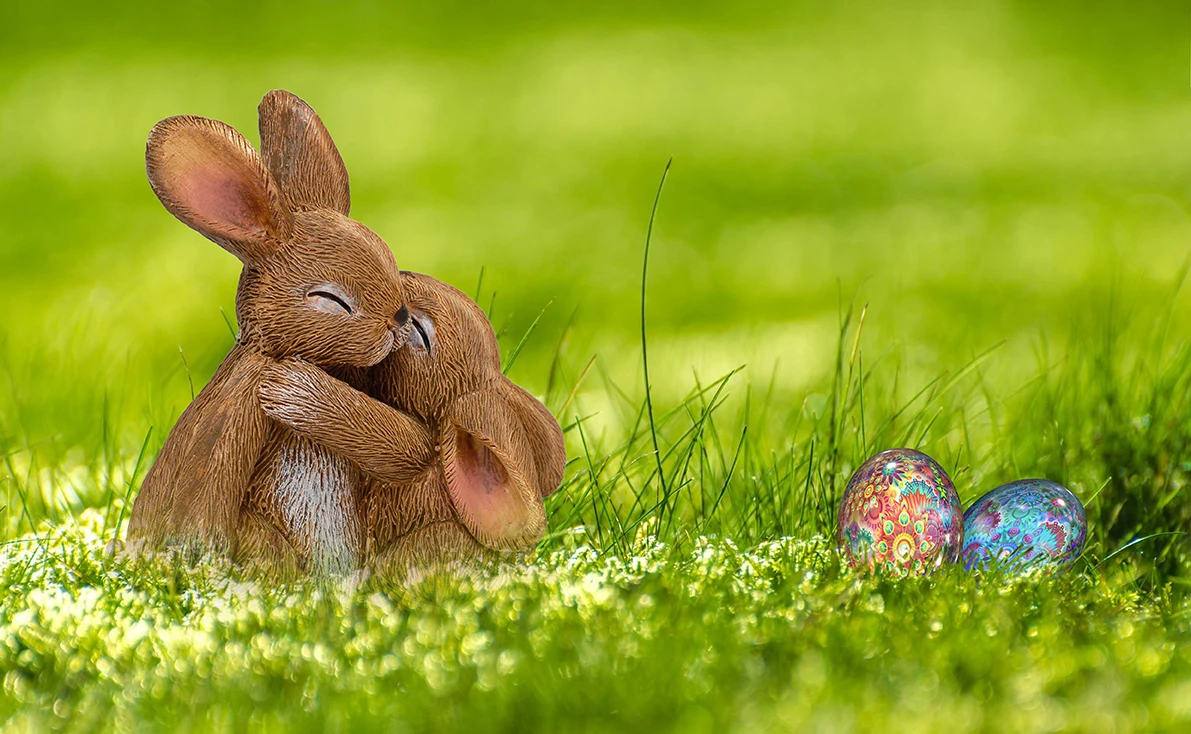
(316, 285)
(478, 487)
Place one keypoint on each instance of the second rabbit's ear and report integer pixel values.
(489, 467)
(208, 176)
(299, 152)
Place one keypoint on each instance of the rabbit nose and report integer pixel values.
(399, 323)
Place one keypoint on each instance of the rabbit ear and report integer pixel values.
(490, 471)
(545, 438)
(207, 175)
(301, 155)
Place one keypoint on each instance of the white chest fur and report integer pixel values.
(314, 490)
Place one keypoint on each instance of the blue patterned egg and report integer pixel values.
(901, 514)
(1030, 523)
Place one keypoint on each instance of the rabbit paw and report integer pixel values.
(289, 390)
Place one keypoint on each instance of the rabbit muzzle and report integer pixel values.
(399, 330)
(391, 338)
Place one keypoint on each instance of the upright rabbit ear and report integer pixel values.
(490, 472)
(208, 176)
(300, 153)
(546, 442)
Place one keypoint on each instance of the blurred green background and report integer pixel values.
(974, 172)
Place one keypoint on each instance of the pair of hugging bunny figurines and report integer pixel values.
(361, 422)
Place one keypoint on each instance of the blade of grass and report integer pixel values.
(653, 431)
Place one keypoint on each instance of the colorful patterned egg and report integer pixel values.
(1030, 523)
(900, 513)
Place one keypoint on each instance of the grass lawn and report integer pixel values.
(963, 229)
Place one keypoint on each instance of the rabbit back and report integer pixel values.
(189, 497)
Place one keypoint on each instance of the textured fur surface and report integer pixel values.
(456, 458)
(316, 286)
(313, 490)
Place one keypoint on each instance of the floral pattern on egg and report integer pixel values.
(1030, 523)
(900, 513)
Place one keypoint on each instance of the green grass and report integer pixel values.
(962, 229)
(776, 637)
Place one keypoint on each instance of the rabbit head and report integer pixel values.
(315, 284)
(501, 450)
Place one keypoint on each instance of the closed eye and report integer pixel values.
(421, 336)
(328, 301)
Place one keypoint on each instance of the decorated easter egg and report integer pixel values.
(1026, 524)
(900, 513)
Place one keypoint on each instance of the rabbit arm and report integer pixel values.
(193, 493)
(384, 442)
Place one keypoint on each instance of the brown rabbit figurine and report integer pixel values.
(315, 285)
(496, 453)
